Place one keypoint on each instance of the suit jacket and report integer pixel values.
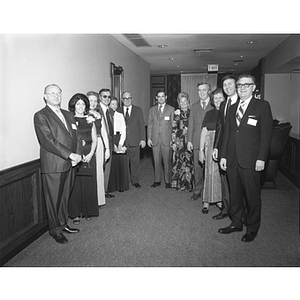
(251, 140)
(135, 126)
(56, 142)
(160, 126)
(195, 123)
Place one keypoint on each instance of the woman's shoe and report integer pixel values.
(88, 218)
(219, 205)
(76, 221)
(205, 210)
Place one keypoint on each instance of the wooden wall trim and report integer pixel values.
(22, 210)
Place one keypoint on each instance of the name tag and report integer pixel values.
(167, 118)
(252, 122)
(74, 126)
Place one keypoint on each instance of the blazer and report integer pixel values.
(135, 126)
(195, 123)
(251, 140)
(56, 142)
(160, 126)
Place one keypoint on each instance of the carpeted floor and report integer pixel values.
(155, 227)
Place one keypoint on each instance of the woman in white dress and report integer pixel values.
(102, 151)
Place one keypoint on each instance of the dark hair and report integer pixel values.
(247, 76)
(214, 92)
(75, 99)
(228, 77)
(103, 90)
(160, 91)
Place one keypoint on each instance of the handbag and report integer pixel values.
(85, 169)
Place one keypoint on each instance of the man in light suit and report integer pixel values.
(159, 136)
(107, 116)
(197, 113)
(135, 135)
(59, 150)
(244, 151)
(229, 87)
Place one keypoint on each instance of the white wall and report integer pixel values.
(282, 91)
(77, 63)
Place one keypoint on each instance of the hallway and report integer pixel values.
(163, 228)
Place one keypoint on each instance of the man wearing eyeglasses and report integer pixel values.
(244, 152)
(135, 135)
(107, 116)
(59, 150)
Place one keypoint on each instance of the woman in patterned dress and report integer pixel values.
(183, 177)
(212, 192)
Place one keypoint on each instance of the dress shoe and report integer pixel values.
(76, 221)
(60, 238)
(137, 185)
(230, 229)
(155, 184)
(249, 237)
(168, 185)
(88, 218)
(195, 197)
(70, 230)
(205, 210)
(220, 216)
(107, 195)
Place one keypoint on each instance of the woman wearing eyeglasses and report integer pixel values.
(83, 201)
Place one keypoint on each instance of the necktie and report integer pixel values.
(109, 122)
(127, 114)
(203, 104)
(227, 107)
(240, 113)
(160, 110)
(61, 116)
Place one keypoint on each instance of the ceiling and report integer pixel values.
(175, 53)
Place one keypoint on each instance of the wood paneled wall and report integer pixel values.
(22, 211)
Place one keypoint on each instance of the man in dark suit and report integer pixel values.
(59, 150)
(159, 136)
(107, 116)
(245, 147)
(229, 87)
(197, 113)
(135, 135)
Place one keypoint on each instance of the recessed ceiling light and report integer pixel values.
(251, 42)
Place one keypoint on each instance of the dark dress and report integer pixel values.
(84, 201)
(183, 177)
(212, 191)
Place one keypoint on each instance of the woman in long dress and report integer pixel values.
(183, 177)
(102, 150)
(212, 191)
(83, 201)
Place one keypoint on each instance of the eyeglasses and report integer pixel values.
(54, 94)
(105, 96)
(244, 85)
(129, 98)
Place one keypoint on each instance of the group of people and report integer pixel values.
(215, 148)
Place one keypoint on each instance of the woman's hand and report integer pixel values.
(87, 158)
(201, 156)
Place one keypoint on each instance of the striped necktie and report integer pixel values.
(240, 113)
(160, 110)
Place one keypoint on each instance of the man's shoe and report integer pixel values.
(155, 184)
(70, 230)
(137, 185)
(220, 216)
(230, 229)
(249, 237)
(107, 195)
(168, 185)
(60, 238)
(195, 197)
